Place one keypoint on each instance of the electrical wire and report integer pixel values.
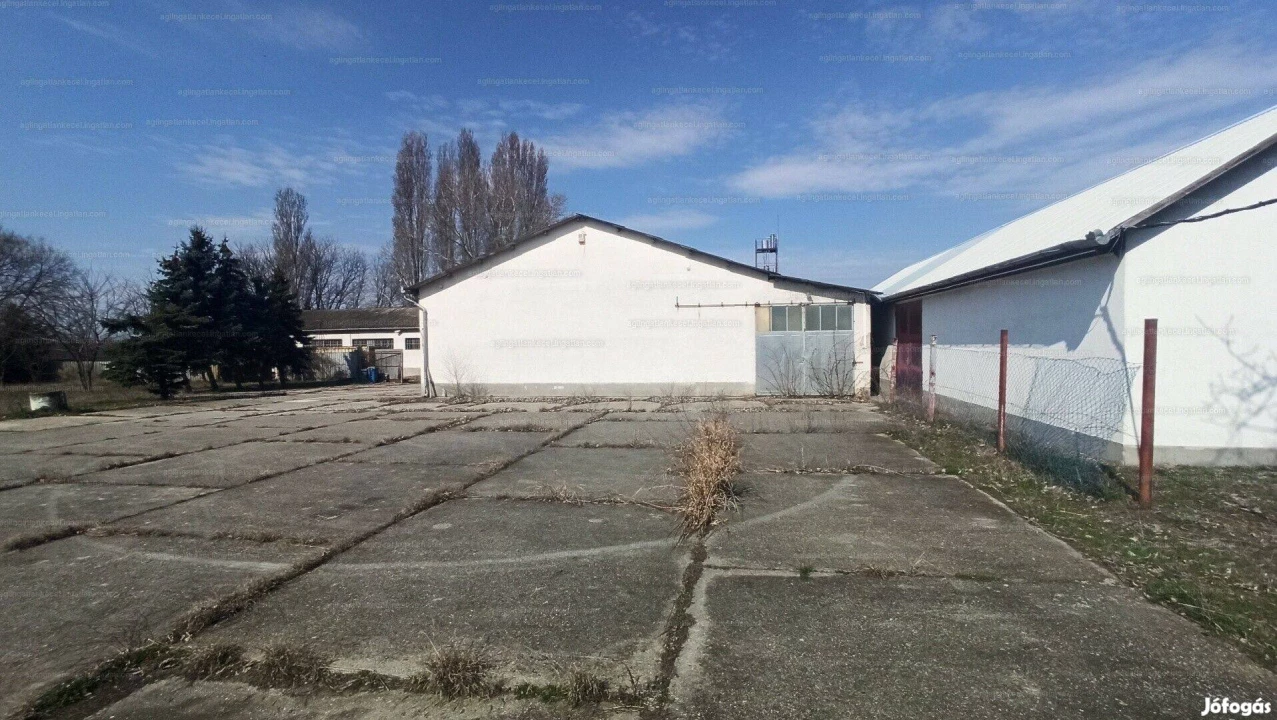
(1211, 216)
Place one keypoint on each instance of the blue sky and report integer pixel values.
(871, 135)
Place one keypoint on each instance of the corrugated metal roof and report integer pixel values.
(1102, 207)
(360, 319)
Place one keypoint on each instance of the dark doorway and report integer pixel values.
(909, 346)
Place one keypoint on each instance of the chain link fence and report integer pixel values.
(1070, 417)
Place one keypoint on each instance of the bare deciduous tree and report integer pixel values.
(411, 201)
(31, 271)
(519, 202)
(32, 275)
(74, 319)
(472, 199)
(384, 289)
(333, 276)
(444, 209)
(322, 273)
(289, 232)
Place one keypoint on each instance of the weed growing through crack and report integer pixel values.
(804, 572)
(284, 666)
(214, 663)
(455, 671)
(116, 671)
(584, 688)
(708, 462)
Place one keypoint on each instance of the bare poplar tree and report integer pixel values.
(519, 202)
(444, 209)
(288, 233)
(472, 198)
(474, 209)
(411, 201)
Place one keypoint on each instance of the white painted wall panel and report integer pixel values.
(565, 316)
(1213, 288)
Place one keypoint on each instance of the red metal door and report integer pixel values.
(909, 347)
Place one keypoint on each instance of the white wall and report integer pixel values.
(1211, 285)
(1213, 288)
(557, 316)
(1068, 367)
(411, 358)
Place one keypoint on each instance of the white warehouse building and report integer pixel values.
(1188, 239)
(391, 332)
(588, 307)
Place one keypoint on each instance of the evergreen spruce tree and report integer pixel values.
(233, 316)
(283, 337)
(186, 282)
(154, 347)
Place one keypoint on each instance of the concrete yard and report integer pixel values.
(378, 530)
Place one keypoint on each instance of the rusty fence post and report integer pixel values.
(931, 382)
(1002, 393)
(1148, 400)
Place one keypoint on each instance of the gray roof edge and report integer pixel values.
(1077, 249)
(701, 255)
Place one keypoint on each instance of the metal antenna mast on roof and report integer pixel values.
(764, 247)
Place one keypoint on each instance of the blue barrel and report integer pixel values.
(372, 374)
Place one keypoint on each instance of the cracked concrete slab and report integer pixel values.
(633, 434)
(321, 504)
(225, 466)
(542, 587)
(927, 524)
(29, 510)
(29, 467)
(455, 447)
(69, 437)
(182, 700)
(53, 422)
(834, 647)
(630, 474)
(292, 421)
(365, 431)
(714, 406)
(203, 418)
(687, 418)
(508, 405)
(75, 602)
(830, 452)
(814, 421)
(183, 440)
(618, 405)
(531, 421)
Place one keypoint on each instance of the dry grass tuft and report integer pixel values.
(708, 462)
(283, 666)
(214, 663)
(455, 671)
(584, 688)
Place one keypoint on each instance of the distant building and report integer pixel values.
(386, 330)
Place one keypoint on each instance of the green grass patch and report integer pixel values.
(1207, 549)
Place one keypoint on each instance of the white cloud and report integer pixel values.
(669, 220)
(113, 34)
(1054, 139)
(629, 139)
(268, 164)
(712, 40)
(307, 28)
